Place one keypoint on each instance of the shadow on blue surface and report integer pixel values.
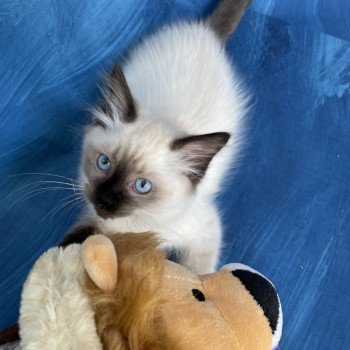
(286, 210)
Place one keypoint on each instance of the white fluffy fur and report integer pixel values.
(55, 314)
(183, 84)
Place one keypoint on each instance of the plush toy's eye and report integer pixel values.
(103, 162)
(198, 295)
(142, 186)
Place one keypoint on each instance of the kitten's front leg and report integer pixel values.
(78, 235)
(200, 262)
(201, 254)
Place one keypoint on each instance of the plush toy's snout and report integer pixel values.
(264, 294)
(100, 261)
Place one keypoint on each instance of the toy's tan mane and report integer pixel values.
(126, 318)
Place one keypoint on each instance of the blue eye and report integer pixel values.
(142, 186)
(103, 162)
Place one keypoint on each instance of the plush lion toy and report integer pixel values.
(118, 292)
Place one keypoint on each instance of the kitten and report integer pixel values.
(163, 139)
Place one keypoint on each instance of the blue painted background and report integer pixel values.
(287, 210)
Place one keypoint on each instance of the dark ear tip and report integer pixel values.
(226, 136)
(247, 2)
(117, 72)
(242, 3)
(220, 137)
(226, 17)
(118, 95)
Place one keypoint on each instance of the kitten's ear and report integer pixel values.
(226, 17)
(196, 152)
(117, 97)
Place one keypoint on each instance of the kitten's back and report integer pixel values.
(181, 75)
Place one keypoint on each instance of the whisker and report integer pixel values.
(47, 174)
(75, 130)
(77, 207)
(65, 209)
(57, 208)
(75, 203)
(35, 193)
(70, 186)
(70, 196)
(44, 189)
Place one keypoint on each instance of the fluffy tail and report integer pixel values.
(226, 16)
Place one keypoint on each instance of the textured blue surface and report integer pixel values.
(287, 210)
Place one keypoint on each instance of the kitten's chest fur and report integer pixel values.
(192, 225)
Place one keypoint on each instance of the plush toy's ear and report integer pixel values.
(264, 293)
(100, 261)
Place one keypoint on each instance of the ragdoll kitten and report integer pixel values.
(164, 137)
